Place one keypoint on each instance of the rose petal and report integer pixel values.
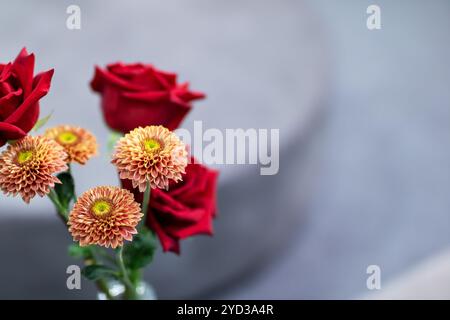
(23, 68)
(183, 93)
(27, 114)
(9, 103)
(148, 96)
(5, 71)
(10, 132)
(139, 74)
(103, 78)
(168, 243)
(202, 226)
(167, 79)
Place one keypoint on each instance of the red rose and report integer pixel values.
(185, 210)
(19, 96)
(138, 94)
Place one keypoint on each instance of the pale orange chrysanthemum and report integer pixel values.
(79, 143)
(152, 154)
(104, 216)
(28, 167)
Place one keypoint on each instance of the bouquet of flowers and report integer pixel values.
(164, 193)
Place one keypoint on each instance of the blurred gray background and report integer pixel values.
(364, 125)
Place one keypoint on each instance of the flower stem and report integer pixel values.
(63, 212)
(145, 203)
(130, 290)
(101, 284)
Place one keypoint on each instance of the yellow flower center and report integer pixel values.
(101, 208)
(152, 145)
(67, 137)
(24, 156)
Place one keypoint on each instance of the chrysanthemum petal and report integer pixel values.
(79, 143)
(152, 155)
(28, 167)
(104, 216)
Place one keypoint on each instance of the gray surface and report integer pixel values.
(383, 191)
(428, 280)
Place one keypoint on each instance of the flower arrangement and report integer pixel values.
(163, 194)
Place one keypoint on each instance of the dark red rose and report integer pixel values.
(20, 92)
(186, 209)
(138, 94)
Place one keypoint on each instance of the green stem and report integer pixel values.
(135, 277)
(101, 284)
(69, 170)
(130, 290)
(63, 212)
(145, 203)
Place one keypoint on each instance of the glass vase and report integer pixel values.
(116, 291)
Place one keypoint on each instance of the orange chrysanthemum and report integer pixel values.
(28, 167)
(152, 155)
(104, 216)
(79, 143)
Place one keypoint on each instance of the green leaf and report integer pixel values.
(65, 190)
(112, 140)
(42, 122)
(76, 251)
(95, 272)
(139, 253)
